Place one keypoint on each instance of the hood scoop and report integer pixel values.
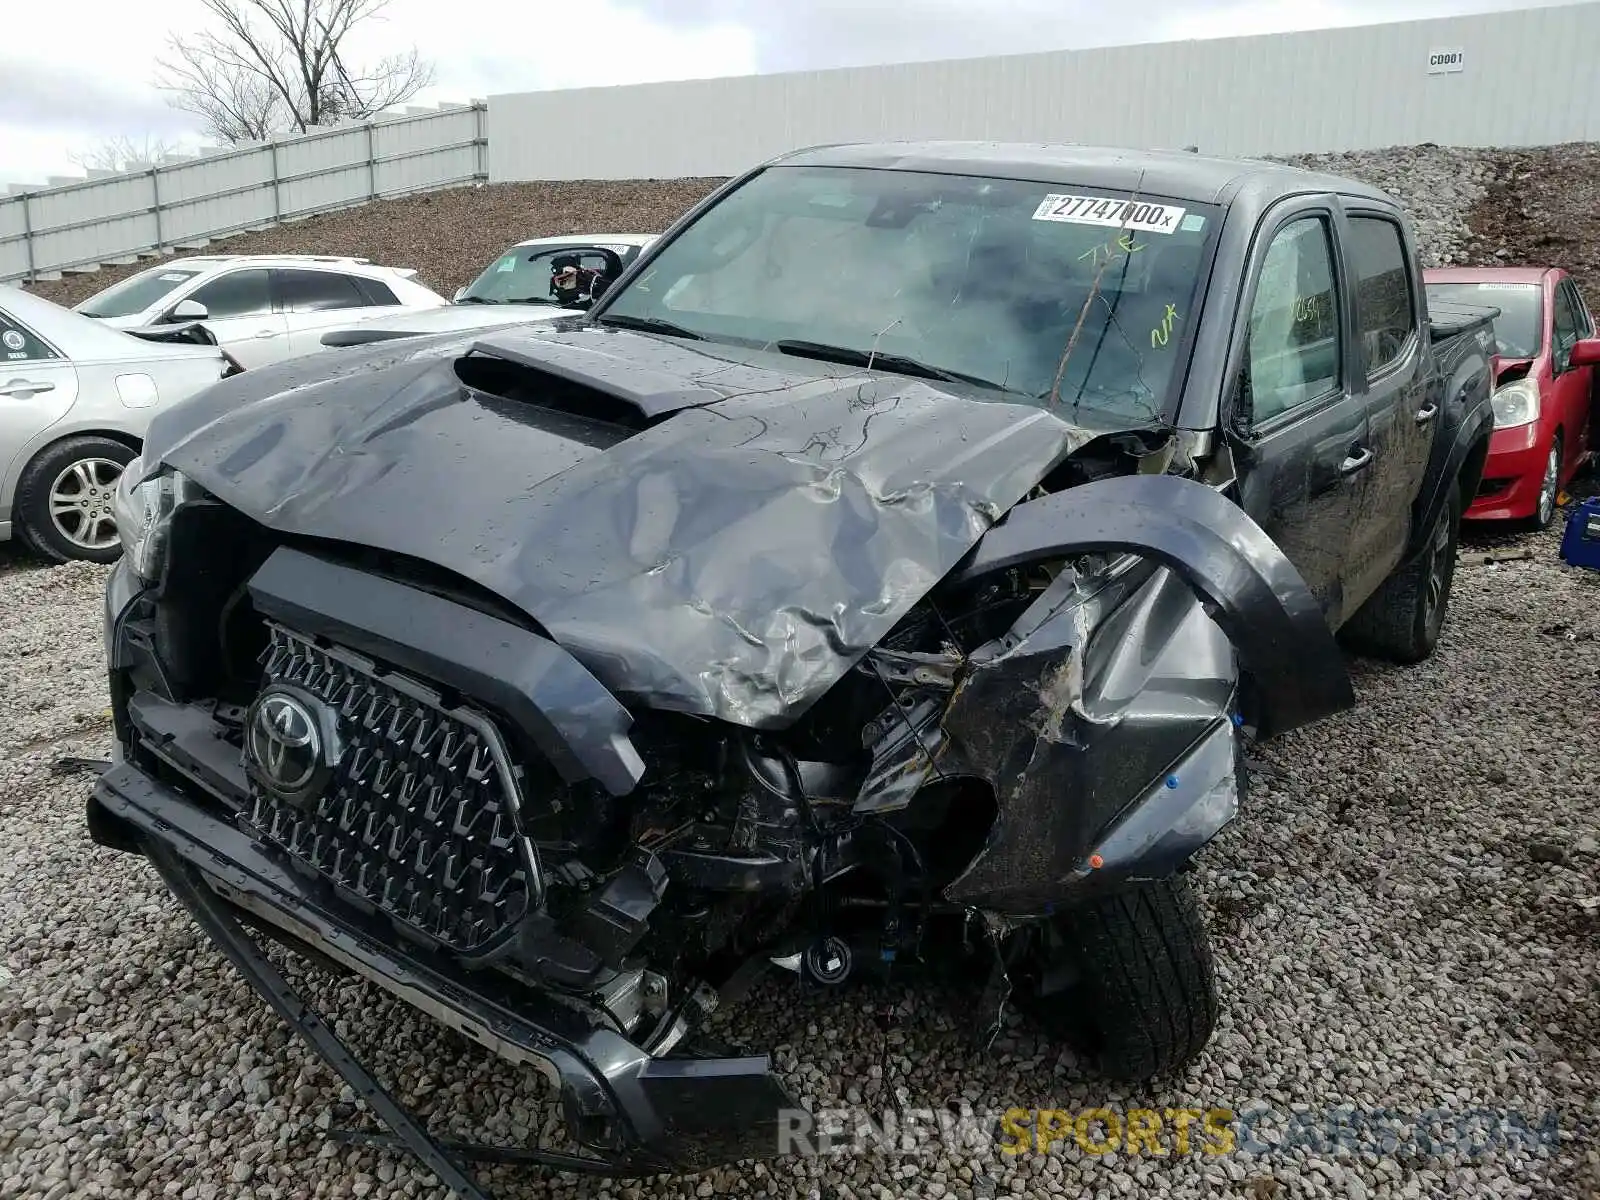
(577, 379)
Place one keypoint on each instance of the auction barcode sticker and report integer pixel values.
(1099, 210)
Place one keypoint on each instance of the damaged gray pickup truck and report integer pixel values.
(889, 570)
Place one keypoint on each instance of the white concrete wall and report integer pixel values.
(1530, 77)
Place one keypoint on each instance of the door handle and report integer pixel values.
(266, 333)
(23, 389)
(1427, 413)
(1356, 461)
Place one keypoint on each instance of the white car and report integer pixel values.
(262, 307)
(75, 400)
(519, 286)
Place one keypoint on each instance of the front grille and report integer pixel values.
(419, 817)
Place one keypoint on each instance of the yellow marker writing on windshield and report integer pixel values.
(1124, 246)
(1163, 331)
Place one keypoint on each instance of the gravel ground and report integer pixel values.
(1398, 916)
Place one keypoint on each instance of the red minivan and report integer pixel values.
(1545, 384)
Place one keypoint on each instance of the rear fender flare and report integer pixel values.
(1469, 448)
(1247, 585)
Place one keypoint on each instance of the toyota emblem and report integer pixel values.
(284, 743)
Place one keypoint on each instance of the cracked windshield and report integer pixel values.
(1046, 291)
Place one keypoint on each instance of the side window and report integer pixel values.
(374, 293)
(317, 291)
(1566, 327)
(1384, 305)
(1582, 317)
(236, 294)
(19, 345)
(1585, 313)
(1295, 350)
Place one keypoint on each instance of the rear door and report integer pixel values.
(1393, 371)
(315, 300)
(240, 314)
(1302, 476)
(38, 384)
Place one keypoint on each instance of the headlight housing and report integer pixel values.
(1516, 404)
(143, 514)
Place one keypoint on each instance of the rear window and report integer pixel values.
(136, 293)
(1519, 329)
(318, 291)
(18, 344)
(376, 294)
(1383, 290)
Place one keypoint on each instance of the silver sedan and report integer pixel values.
(75, 399)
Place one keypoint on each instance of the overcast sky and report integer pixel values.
(76, 72)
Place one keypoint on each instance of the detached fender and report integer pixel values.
(1247, 585)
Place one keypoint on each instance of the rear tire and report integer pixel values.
(79, 476)
(1146, 999)
(1401, 621)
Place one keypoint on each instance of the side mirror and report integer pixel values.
(460, 292)
(1584, 353)
(188, 310)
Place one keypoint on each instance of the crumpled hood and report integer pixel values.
(733, 557)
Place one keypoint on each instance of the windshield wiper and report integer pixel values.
(900, 364)
(649, 325)
(476, 300)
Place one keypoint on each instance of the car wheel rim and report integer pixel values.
(1547, 486)
(1438, 566)
(80, 503)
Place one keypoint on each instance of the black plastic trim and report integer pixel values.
(574, 721)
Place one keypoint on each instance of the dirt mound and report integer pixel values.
(447, 236)
(1542, 208)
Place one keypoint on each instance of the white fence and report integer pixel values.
(178, 202)
(1530, 77)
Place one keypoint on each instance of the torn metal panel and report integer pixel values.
(1097, 702)
(1073, 721)
(1249, 587)
(733, 561)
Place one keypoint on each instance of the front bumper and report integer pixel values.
(621, 1105)
(1511, 475)
(629, 1111)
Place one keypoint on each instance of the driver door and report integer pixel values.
(1302, 474)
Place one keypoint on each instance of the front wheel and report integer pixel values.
(1145, 999)
(1549, 486)
(64, 500)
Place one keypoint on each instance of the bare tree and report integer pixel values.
(235, 103)
(279, 65)
(115, 154)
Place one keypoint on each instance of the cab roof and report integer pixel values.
(1175, 174)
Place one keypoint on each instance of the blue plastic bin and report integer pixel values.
(1580, 542)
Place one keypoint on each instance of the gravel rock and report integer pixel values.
(1438, 186)
(1384, 939)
